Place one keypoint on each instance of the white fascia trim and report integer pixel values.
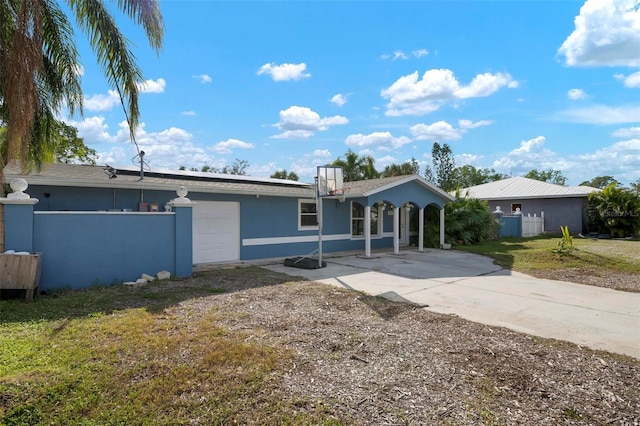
(292, 240)
(532, 197)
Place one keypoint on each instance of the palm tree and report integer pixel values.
(407, 168)
(355, 167)
(39, 64)
(614, 210)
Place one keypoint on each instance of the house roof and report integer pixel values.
(74, 175)
(524, 188)
(365, 188)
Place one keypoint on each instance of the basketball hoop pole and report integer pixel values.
(319, 212)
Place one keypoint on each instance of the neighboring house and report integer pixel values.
(241, 217)
(562, 205)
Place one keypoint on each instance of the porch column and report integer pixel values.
(183, 208)
(18, 216)
(442, 227)
(367, 231)
(421, 229)
(396, 230)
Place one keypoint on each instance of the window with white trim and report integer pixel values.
(307, 215)
(357, 220)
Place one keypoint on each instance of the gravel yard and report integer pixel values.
(367, 361)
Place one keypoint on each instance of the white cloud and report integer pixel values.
(190, 113)
(621, 160)
(468, 124)
(629, 132)
(169, 148)
(151, 86)
(576, 94)
(485, 84)
(419, 53)
(470, 159)
(410, 95)
(322, 153)
(302, 122)
(284, 72)
(102, 102)
(106, 102)
(293, 134)
(226, 147)
(530, 146)
(383, 141)
(385, 161)
(306, 166)
(531, 154)
(93, 129)
(607, 33)
(441, 130)
(204, 78)
(339, 99)
(632, 80)
(399, 54)
(602, 114)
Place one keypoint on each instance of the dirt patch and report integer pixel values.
(364, 360)
(593, 276)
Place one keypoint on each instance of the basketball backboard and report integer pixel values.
(330, 180)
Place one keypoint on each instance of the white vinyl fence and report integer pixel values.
(532, 225)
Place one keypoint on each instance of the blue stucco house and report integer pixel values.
(237, 218)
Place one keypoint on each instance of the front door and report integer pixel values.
(403, 226)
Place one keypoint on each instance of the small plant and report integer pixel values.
(565, 245)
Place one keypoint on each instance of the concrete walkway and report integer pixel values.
(473, 288)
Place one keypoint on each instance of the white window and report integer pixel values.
(307, 215)
(357, 220)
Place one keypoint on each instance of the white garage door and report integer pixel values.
(216, 231)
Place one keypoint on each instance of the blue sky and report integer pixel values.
(510, 85)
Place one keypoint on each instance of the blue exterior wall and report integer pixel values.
(264, 217)
(18, 231)
(81, 249)
(557, 211)
(60, 198)
(510, 226)
(277, 217)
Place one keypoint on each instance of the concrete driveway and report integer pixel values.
(473, 288)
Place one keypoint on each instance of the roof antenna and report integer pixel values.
(139, 158)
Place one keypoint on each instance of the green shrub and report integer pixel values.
(614, 211)
(565, 245)
(467, 221)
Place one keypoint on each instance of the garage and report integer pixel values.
(216, 231)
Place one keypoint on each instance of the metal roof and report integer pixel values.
(523, 188)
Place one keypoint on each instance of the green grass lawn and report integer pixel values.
(118, 356)
(529, 255)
